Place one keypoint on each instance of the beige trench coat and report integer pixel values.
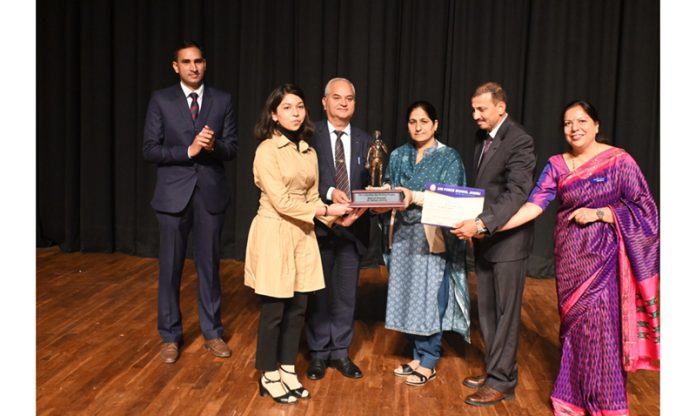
(282, 254)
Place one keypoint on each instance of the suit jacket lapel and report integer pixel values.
(477, 152)
(208, 103)
(499, 136)
(324, 142)
(489, 154)
(355, 154)
(181, 103)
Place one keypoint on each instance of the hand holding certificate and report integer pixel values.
(446, 205)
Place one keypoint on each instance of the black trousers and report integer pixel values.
(500, 287)
(331, 310)
(174, 231)
(280, 327)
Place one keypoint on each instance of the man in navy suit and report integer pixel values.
(190, 130)
(504, 159)
(341, 149)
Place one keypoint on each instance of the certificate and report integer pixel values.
(446, 205)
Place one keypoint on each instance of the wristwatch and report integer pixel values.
(480, 228)
(600, 214)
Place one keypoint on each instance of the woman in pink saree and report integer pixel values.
(607, 267)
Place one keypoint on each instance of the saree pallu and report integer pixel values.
(607, 279)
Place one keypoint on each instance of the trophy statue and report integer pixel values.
(379, 195)
(376, 156)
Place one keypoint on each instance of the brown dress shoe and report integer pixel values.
(475, 382)
(487, 396)
(170, 352)
(218, 347)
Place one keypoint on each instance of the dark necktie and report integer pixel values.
(486, 146)
(341, 171)
(194, 105)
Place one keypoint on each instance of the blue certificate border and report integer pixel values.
(455, 191)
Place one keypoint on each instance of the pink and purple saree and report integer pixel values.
(607, 279)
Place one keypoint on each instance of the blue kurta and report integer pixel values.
(415, 274)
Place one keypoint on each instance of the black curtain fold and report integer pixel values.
(98, 61)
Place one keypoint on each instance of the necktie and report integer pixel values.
(341, 171)
(194, 105)
(486, 146)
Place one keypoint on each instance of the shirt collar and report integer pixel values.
(281, 141)
(497, 127)
(438, 145)
(188, 90)
(346, 131)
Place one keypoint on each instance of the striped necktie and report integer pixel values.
(194, 105)
(342, 182)
(486, 146)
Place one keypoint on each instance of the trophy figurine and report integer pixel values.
(376, 156)
(378, 195)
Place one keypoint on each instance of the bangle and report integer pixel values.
(326, 210)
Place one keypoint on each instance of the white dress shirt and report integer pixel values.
(345, 139)
(187, 91)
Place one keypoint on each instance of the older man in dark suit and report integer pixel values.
(341, 150)
(190, 130)
(505, 162)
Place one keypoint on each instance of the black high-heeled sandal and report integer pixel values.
(284, 399)
(298, 392)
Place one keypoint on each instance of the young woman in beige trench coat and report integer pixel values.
(282, 257)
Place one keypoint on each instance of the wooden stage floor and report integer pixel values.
(98, 351)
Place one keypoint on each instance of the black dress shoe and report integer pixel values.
(316, 369)
(346, 367)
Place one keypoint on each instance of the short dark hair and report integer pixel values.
(589, 109)
(265, 126)
(586, 107)
(496, 90)
(187, 44)
(426, 106)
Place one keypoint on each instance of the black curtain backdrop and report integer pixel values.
(99, 60)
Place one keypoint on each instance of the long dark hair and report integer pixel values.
(590, 110)
(265, 126)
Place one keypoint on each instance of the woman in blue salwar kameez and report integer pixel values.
(427, 291)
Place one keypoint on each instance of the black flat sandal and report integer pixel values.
(404, 371)
(422, 379)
